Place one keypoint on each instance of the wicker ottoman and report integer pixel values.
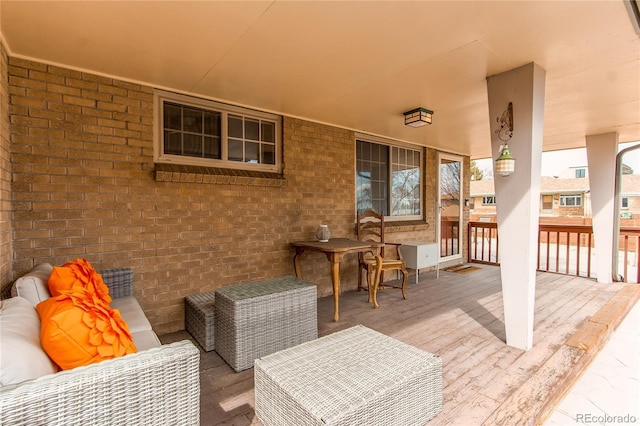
(353, 377)
(260, 318)
(199, 318)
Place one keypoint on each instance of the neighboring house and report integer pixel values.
(583, 172)
(630, 199)
(565, 196)
(574, 172)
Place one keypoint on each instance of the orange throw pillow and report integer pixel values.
(80, 329)
(78, 274)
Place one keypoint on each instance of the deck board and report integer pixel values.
(460, 318)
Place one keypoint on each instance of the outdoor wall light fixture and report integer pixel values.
(505, 163)
(418, 117)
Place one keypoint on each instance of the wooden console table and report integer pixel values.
(334, 249)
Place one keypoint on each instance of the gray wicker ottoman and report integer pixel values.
(260, 318)
(199, 318)
(353, 377)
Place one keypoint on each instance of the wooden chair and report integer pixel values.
(370, 227)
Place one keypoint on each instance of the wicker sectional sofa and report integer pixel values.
(158, 385)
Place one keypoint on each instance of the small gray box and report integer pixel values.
(353, 377)
(199, 318)
(260, 318)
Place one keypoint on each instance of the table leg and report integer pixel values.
(373, 287)
(335, 258)
(296, 262)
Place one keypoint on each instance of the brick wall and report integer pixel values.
(84, 185)
(568, 211)
(480, 209)
(5, 171)
(634, 209)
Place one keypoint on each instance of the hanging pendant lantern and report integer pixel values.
(505, 163)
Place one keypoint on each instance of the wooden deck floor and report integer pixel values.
(458, 317)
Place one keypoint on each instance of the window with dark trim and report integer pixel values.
(388, 179)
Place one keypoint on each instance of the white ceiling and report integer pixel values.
(357, 64)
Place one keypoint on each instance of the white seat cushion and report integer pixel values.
(132, 313)
(145, 339)
(34, 285)
(21, 356)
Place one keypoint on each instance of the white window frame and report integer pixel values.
(624, 202)
(160, 96)
(390, 144)
(576, 197)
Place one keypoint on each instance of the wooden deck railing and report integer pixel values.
(449, 230)
(565, 249)
(630, 245)
(483, 242)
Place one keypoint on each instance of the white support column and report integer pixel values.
(518, 195)
(601, 156)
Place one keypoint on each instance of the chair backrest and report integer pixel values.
(370, 227)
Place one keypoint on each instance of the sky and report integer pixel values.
(555, 162)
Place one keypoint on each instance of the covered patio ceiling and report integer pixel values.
(357, 64)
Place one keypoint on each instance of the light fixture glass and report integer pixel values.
(505, 163)
(418, 117)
